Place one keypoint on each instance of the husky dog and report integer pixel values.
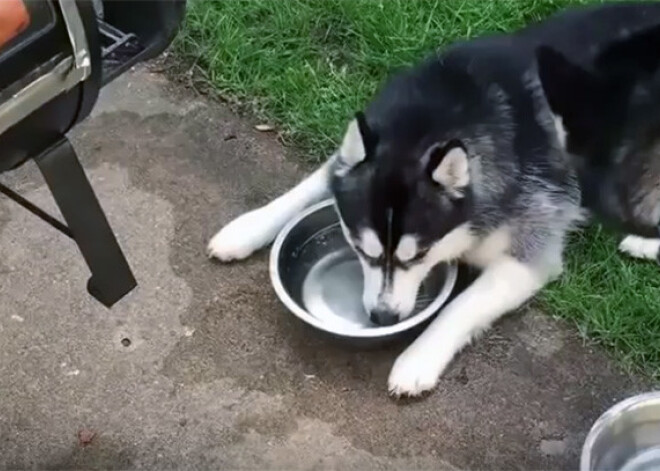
(611, 116)
(459, 157)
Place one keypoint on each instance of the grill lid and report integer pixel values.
(68, 66)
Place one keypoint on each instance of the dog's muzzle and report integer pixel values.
(383, 317)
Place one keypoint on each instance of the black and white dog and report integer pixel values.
(459, 157)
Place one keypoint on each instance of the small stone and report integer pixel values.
(188, 331)
(264, 127)
(85, 436)
(553, 447)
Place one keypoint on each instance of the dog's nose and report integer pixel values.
(383, 317)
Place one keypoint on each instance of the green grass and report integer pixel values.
(612, 299)
(308, 65)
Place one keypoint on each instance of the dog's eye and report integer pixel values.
(373, 261)
(421, 253)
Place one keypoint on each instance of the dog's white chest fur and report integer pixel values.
(494, 246)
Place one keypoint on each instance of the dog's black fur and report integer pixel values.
(611, 113)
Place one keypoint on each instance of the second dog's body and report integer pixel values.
(611, 115)
(459, 157)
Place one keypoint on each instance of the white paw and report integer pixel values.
(241, 237)
(415, 371)
(640, 247)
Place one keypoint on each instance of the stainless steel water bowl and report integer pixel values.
(318, 277)
(626, 437)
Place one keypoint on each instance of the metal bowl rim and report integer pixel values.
(371, 333)
(608, 417)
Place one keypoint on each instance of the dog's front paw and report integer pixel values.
(641, 247)
(241, 237)
(415, 371)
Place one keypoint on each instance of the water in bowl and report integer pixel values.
(646, 460)
(332, 289)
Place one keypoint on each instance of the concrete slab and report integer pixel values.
(217, 375)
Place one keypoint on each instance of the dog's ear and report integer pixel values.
(448, 165)
(359, 142)
(632, 56)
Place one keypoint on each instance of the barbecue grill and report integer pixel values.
(55, 58)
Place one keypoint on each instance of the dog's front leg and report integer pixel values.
(502, 287)
(256, 229)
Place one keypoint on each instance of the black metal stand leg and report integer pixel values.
(111, 277)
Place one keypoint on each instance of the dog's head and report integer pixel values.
(396, 213)
(409, 172)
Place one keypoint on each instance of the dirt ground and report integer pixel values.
(218, 375)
